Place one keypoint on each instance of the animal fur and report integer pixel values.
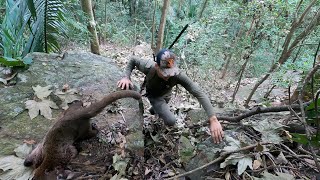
(57, 147)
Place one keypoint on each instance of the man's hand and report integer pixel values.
(216, 129)
(125, 83)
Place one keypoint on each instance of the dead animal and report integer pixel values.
(57, 149)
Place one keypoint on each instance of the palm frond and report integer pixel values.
(48, 25)
(12, 28)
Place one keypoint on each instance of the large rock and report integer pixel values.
(93, 76)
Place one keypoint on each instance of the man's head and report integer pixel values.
(166, 61)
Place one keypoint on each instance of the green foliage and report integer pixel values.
(30, 26)
(312, 118)
(287, 75)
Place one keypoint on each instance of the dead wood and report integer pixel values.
(260, 110)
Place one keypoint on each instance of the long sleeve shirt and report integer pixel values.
(156, 86)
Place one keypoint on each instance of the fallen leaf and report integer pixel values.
(233, 144)
(281, 159)
(23, 150)
(256, 164)
(240, 159)
(147, 171)
(269, 130)
(29, 141)
(12, 166)
(67, 96)
(281, 176)
(243, 163)
(42, 92)
(43, 107)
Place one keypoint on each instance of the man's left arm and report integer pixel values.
(215, 126)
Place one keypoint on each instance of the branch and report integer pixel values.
(260, 110)
(222, 156)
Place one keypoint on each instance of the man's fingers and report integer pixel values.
(123, 85)
(220, 136)
(217, 134)
(214, 137)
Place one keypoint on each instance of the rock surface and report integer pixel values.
(93, 76)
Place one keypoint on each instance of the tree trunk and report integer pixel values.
(153, 27)
(243, 68)
(87, 9)
(289, 47)
(162, 25)
(132, 9)
(203, 7)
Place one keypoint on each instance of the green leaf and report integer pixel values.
(12, 62)
(312, 105)
(302, 138)
(32, 9)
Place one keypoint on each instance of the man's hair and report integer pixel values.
(160, 55)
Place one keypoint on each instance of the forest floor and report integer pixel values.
(162, 154)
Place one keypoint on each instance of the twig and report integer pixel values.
(222, 156)
(124, 119)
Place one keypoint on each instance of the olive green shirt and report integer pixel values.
(156, 86)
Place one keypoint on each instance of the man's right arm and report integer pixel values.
(140, 64)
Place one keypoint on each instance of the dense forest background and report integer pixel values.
(227, 45)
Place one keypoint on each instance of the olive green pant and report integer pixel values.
(161, 107)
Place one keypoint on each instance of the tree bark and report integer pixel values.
(153, 27)
(87, 9)
(162, 25)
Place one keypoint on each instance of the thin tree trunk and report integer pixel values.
(204, 5)
(162, 24)
(239, 81)
(287, 47)
(153, 27)
(226, 65)
(87, 8)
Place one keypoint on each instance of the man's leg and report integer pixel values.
(161, 107)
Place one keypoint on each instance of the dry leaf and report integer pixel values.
(256, 164)
(29, 141)
(67, 96)
(42, 92)
(44, 107)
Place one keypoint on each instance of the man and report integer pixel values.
(160, 78)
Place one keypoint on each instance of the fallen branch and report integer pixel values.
(260, 110)
(222, 156)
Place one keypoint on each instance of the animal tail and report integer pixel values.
(97, 107)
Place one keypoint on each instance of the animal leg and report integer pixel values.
(91, 132)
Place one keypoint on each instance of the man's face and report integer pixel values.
(167, 60)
